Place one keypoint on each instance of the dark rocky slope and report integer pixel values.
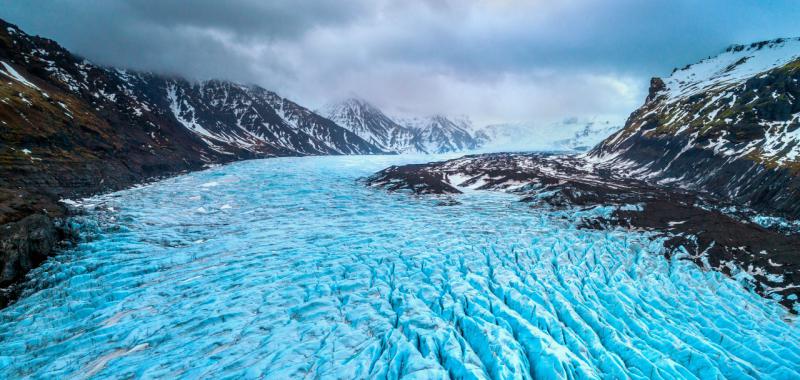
(69, 128)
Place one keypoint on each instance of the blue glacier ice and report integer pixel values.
(290, 268)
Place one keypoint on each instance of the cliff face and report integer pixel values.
(24, 245)
(729, 125)
(69, 128)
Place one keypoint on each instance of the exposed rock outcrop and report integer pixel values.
(24, 245)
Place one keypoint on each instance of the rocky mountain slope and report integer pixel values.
(403, 134)
(440, 134)
(372, 125)
(729, 125)
(230, 117)
(69, 128)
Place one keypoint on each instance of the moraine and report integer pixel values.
(292, 268)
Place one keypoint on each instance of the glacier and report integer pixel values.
(292, 268)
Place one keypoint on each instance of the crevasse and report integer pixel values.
(291, 268)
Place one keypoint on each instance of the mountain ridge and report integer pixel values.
(370, 123)
(401, 133)
(727, 125)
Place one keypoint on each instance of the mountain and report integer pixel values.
(372, 125)
(440, 134)
(568, 134)
(728, 125)
(229, 116)
(70, 128)
(591, 134)
(403, 134)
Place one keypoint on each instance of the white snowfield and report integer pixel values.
(9, 72)
(289, 268)
(732, 67)
(567, 135)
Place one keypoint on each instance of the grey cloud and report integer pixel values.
(248, 18)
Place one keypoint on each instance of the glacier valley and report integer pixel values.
(292, 268)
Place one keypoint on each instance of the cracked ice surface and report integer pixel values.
(289, 268)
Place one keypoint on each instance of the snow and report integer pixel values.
(459, 180)
(185, 114)
(781, 144)
(13, 74)
(732, 67)
(318, 276)
(438, 133)
(565, 135)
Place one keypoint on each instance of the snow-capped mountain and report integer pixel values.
(729, 124)
(228, 115)
(593, 132)
(440, 134)
(568, 134)
(403, 134)
(372, 125)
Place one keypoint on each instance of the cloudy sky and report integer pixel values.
(500, 60)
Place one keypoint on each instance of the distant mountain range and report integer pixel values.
(444, 134)
(403, 134)
(60, 112)
(572, 134)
